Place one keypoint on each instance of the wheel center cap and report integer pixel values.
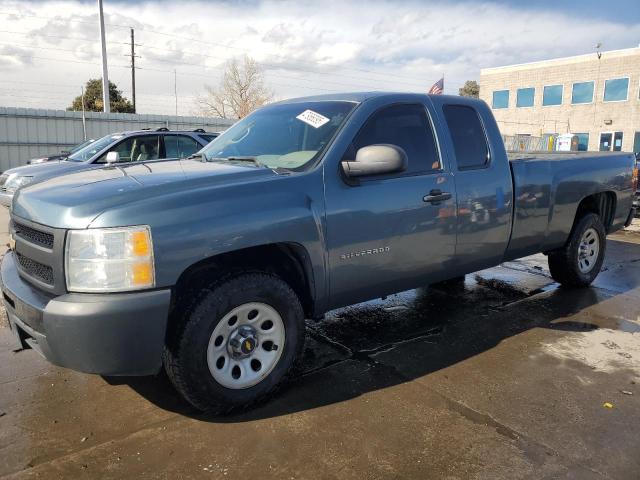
(243, 341)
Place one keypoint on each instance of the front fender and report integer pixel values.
(188, 227)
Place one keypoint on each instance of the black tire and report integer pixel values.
(185, 356)
(564, 262)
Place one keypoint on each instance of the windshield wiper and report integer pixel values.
(238, 158)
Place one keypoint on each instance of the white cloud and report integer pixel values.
(306, 47)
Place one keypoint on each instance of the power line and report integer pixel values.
(57, 59)
(42, 17)
(37, 47)
(191, 74)
(275, 66)
(246, 50)
(196, 40)
(62, 37)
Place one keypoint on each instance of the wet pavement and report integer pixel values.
(504, 376)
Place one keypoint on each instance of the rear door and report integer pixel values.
(384, 234)
(483, 184)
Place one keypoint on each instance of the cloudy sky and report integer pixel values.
(48, 49)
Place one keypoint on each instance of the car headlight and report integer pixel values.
(109, 259)
(15, 182)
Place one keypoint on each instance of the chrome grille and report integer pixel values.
(34, 236)
(37, 270)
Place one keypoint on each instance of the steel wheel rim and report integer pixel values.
(238, 370)
(588, 250)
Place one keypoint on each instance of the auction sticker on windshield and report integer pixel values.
(312, 118)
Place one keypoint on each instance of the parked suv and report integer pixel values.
(135, 146)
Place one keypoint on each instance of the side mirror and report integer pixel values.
(113, 157)
(376, 160)
(65, 152)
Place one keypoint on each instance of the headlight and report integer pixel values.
(109, 259)
(15, 182)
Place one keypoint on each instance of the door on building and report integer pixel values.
(610, 141)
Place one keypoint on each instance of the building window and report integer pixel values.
(552, 95)
(636, 143)
(524, 97)
(617, 142)
(606, 145)
(615, 89)
(583, 141)
(582, 92)
(501, 99)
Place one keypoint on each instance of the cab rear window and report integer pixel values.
(468, 137)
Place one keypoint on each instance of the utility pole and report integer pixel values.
(175, 88)
(133, 71)
(106, 107)
(84, 120)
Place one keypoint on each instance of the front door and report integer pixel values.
(384, 235)
(611, 141)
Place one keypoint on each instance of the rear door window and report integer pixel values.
(468, 137)
(180, 146)
(406, 126)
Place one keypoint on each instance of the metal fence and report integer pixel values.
(27, 133)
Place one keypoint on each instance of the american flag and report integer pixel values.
(437, 88)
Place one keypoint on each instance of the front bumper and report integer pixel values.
(107, 334)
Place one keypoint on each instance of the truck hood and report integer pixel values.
(75, 199)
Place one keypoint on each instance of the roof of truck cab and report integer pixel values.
(359, 97)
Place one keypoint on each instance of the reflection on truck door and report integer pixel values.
(383, 235)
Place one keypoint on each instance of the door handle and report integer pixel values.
(436, 196)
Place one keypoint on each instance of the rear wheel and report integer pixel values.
(578, 263)
(236, 343)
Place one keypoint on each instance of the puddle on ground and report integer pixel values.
(602, 349)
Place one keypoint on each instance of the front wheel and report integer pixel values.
(578, 263)
(236, 343)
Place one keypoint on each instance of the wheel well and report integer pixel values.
(289, 261)
(602, 204)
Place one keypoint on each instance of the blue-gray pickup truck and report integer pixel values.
(210, 265)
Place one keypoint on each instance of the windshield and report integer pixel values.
(81, 145)
(287, 136)
(90, 150)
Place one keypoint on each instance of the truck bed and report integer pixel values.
(548, 188)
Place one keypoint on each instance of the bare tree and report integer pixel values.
(241, 90)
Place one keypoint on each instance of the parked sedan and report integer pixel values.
(135, 146)
(62, 155)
